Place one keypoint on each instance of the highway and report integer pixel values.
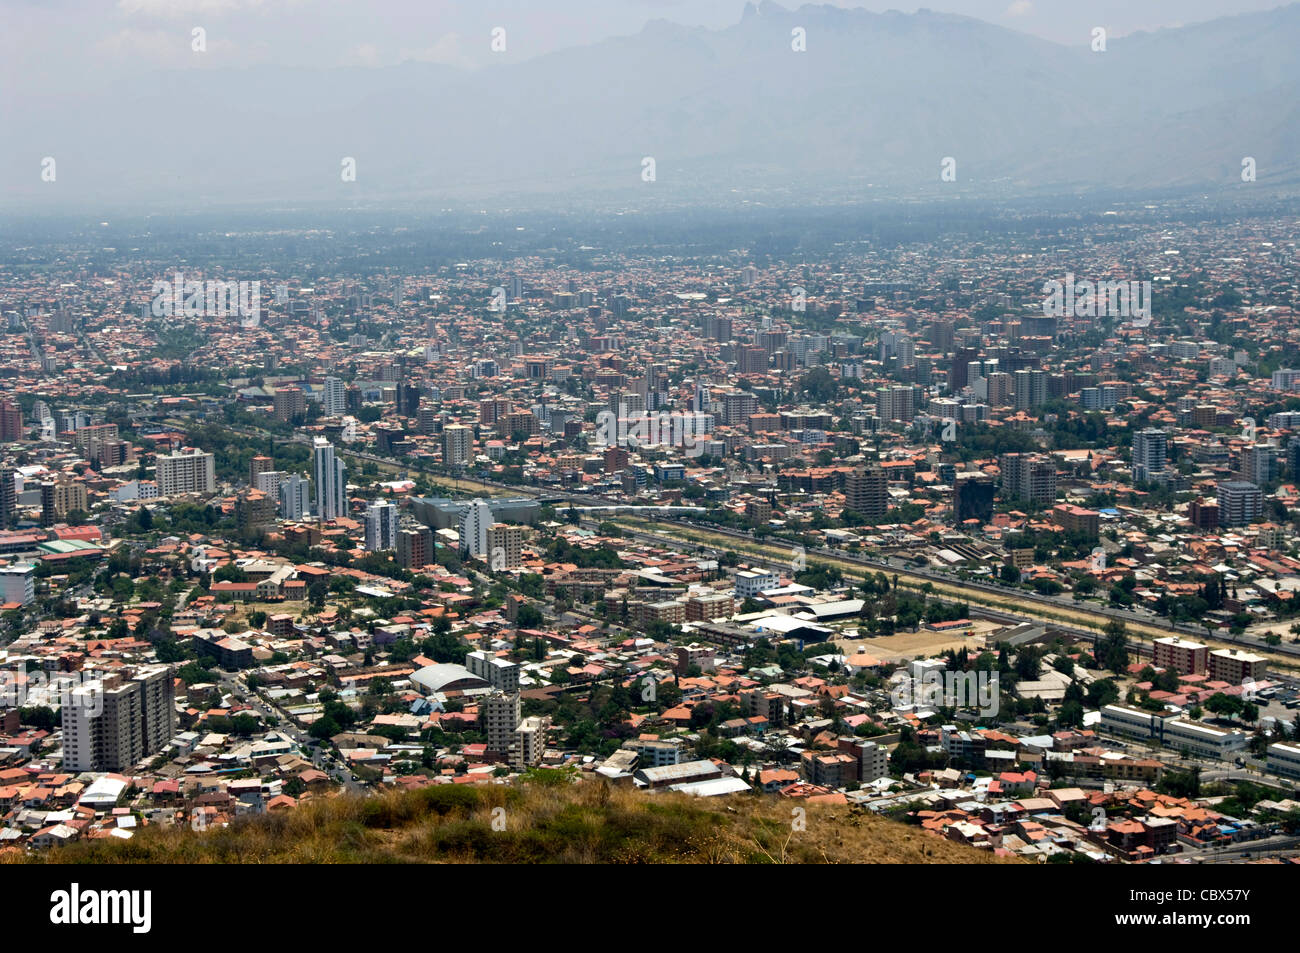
(1055, 610)
(1016, 605)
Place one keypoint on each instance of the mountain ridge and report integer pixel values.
(877, 98)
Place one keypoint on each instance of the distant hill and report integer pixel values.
(870, 109)
(581, 823)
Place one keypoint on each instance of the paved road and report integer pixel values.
(322, 758)
(1278, 845)
(1082, 613)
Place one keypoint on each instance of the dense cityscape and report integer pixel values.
(995, 537)
(479, 437)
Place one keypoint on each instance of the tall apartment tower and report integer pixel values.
(8, 498)
(415, 547)
(334, 397)
(1038, 480)
(259, 464)
(381, 526)
(115, 722)
(457, 441)
(972, 498)
(268, 481)
(288, 403)
(475, 520)
(504, 545)
(295, 497)
(530, 741)
(1256, 464)
(193, 472)
(330, 481)
(11, 422)
(896, 402)
(498, 715)
(866, 492)
(1028, 476)
(1240, 503)
(1149, 454)
(1030, 388)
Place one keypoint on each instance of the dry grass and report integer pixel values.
(589, 822)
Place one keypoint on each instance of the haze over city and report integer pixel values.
(639, 432)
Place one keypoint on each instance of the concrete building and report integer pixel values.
(329, 480)
(60, 498)
(258, 465)
(1256, 464)
(192, 472)
(1284, 759)
(381, 526)
(866, 492)
(333, 397)
(474, 524)
(530, 742)
(501, 674)
(268, 481)
(115, 722)
(498, 716)
(1201, 740)
(1149, 454)
(751, 582)
(504, 546)
(1240, 503)
(1236, 667)
(972, 498)
(8, 498)
(1181, 655)
(457, 442)
(17, 584)
(295, 497)
(415, 547)
(1132, 722)
(288, 404)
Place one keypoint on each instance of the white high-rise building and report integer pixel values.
(1149, 454)
(295, 497)
(18, 584)
(333, 397)
(330, 481)
(701, 402)
(1257, 464)
(381, 526)
(268, 481)
(474, 524)
(193, 472)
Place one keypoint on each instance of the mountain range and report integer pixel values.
(868, 110)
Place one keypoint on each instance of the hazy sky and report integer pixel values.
(67, 43)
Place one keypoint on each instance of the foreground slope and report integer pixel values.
(580, 823)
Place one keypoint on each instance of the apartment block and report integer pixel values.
(192, 472)
(1181, 655)
(115, 722)
(1284, 759)
(498, 715)
(504, 546)
(501, 674)
(1236, 667)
